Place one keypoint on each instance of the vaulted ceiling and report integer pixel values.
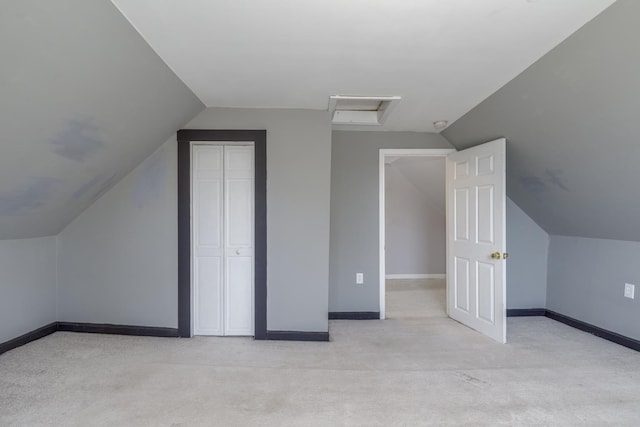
(442, 56)
(88, 89)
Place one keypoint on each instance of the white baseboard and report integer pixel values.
(415, 276)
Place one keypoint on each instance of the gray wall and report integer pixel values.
(528, 247)
(27, 285)
(415, 223)
(586, 282)
(298, 185)
(571, 122)
(354, 213)
(118, 259)
(84, 100)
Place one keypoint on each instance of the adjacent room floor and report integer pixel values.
(406, 298)
(419, 368)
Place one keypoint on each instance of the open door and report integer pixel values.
(476, 238)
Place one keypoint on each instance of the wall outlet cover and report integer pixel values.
(629, 290)
(359, 278)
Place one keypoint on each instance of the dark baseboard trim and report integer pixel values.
(599, 332)
(578, 324)
(150, 331)
(520, 312)
(28, 337)
(99, 328)
(141, 331)
(354, 315)
(297, 336)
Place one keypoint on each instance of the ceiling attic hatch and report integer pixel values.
(361, 110)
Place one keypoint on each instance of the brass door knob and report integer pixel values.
(505, 255)
(496, 255)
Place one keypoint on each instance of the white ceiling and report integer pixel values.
(442, 57)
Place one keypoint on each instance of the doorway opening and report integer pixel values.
(476, 235)
(415, 241)
(412, 233)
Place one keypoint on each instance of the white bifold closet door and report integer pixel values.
(222, 239)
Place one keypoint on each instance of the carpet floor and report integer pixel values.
(413, 369)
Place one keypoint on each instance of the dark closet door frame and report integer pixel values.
(259, 138)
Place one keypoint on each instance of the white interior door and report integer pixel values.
(476, 238)
(222, 240)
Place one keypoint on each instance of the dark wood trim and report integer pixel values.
(595, 330)
(297, 336)
(260, 238)
(100, 328)
(184, 239)
(521, 312)
(28, 337)
(259, 138)
(354, 315)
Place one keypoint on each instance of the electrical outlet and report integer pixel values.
(629, 290)
(359, 278)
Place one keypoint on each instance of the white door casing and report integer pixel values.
(385, 153)
(222, 239)
(476, 238)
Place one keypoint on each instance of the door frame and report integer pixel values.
(395, 152)
(184, 139)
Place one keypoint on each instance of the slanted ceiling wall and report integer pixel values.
(84, 99)
(571, 122)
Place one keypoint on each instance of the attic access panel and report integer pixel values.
(361, 110)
